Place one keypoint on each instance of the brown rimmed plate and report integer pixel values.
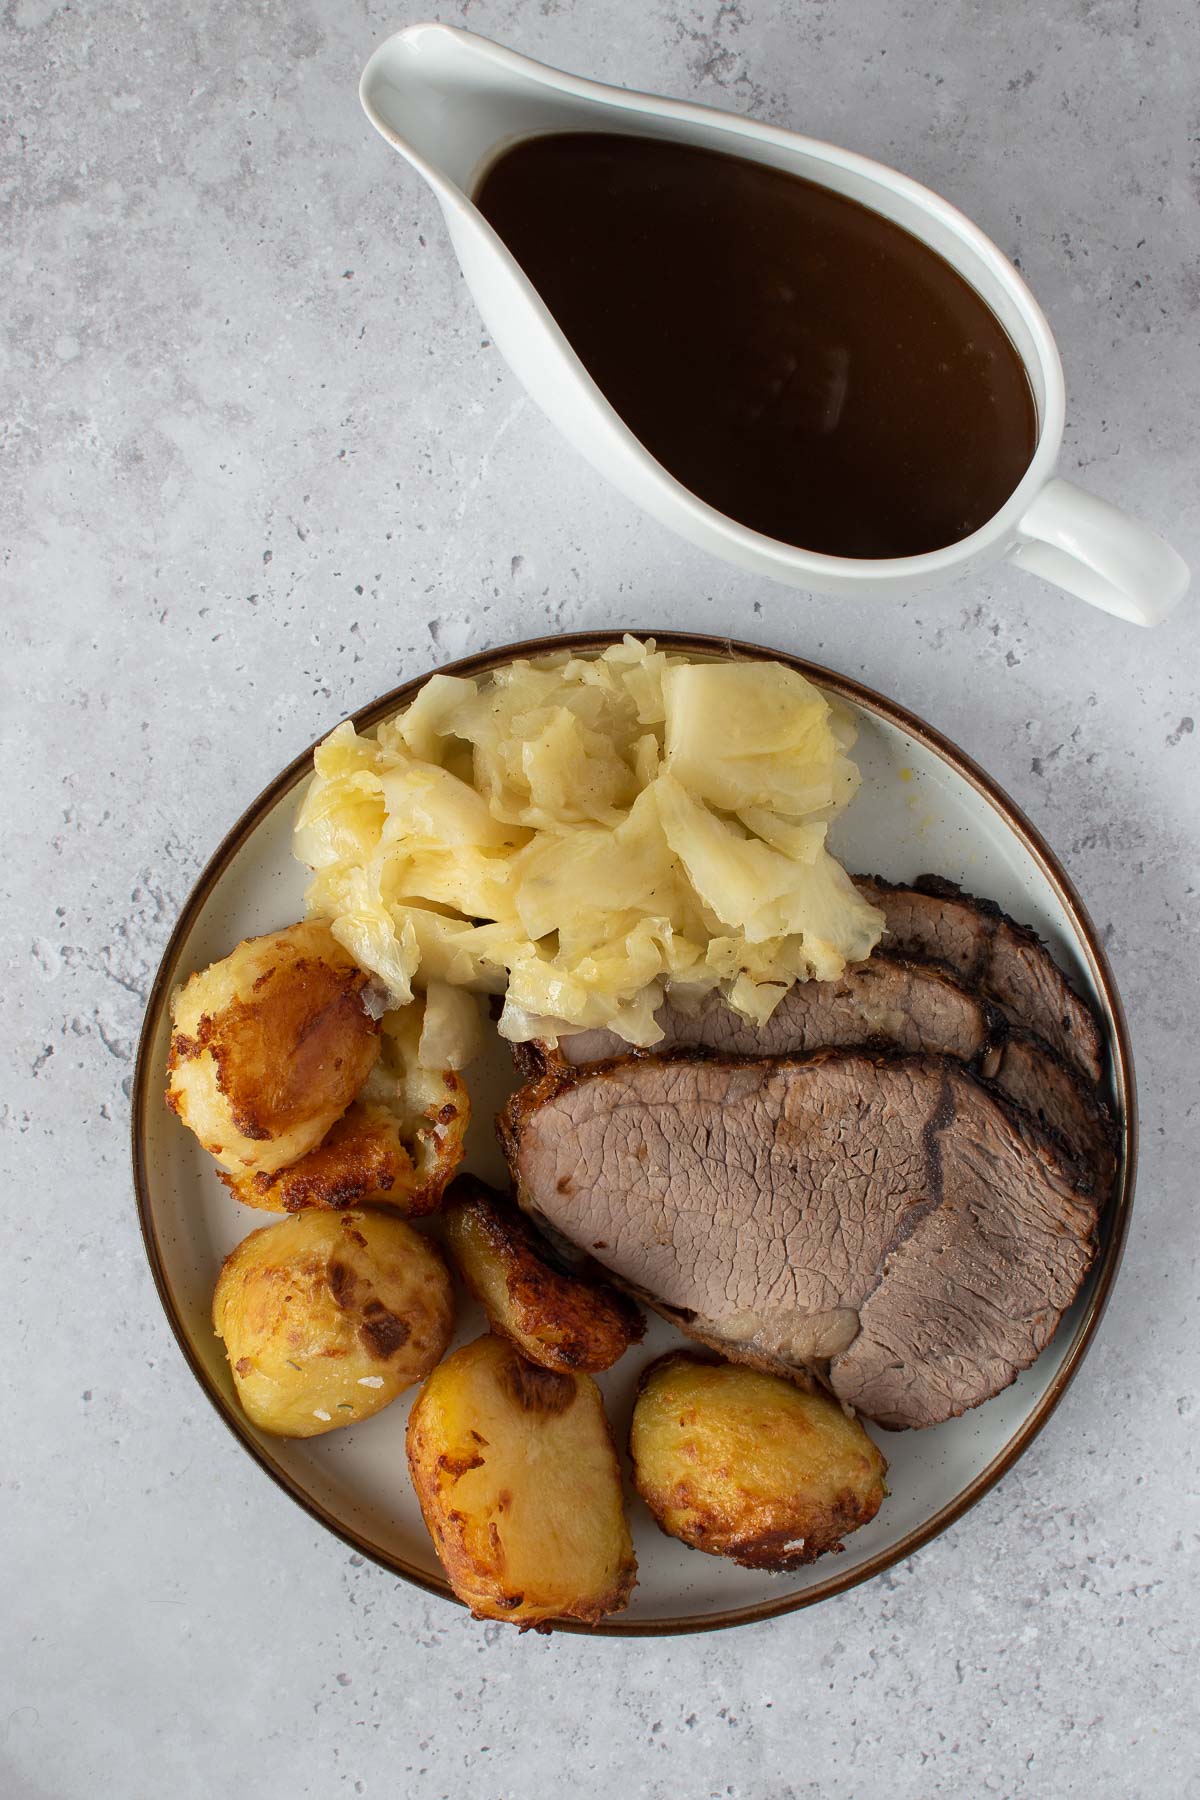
(924, 806)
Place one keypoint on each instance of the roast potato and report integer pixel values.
(517, 1477)
(326, 1317)
(749, 1466)
(270, 1046)
(559, 1319)
(400, 1142)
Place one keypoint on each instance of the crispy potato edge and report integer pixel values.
(327, 1318)
(816, 1532)
(575, 1323)
(434, 1467)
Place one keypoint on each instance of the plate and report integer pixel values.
(923, 807)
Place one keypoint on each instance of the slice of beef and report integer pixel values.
(892, 1001)
(1028, 1073)
(891, 1214)
(987, 949)
(888, 1000)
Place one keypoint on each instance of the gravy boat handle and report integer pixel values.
(1100, 554)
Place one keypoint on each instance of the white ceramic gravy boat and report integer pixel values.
(449, 102)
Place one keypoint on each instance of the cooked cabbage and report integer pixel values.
(450, 1028)
(579, 833)
(749, 734)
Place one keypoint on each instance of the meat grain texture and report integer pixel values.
(897, 1002)
(887, 1222)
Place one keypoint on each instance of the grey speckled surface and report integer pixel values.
(259, 466)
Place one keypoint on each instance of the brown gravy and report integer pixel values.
(799, 362)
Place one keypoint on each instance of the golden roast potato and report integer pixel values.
(518, 1481)
(270, 1046)
(561, 1320)
(399, 1143)
(326, 1317)
(749, 1466)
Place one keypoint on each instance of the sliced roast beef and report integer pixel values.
(890, 1214)
(910, 1005)
(892, 1001)
(987, 949)
(1051, 1091)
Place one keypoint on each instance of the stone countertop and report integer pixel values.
(261, 465)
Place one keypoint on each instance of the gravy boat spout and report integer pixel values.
(450, 102)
